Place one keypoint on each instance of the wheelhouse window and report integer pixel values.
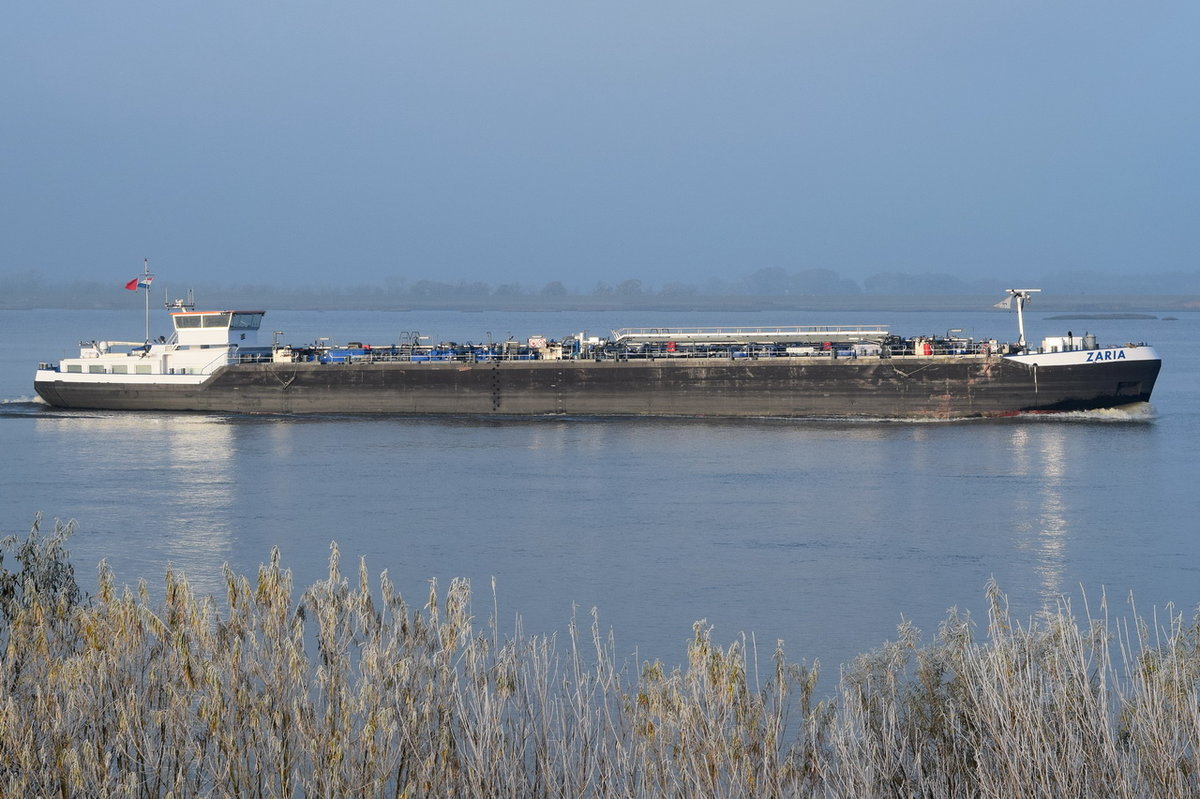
(246, 321)
(193, 320)
(215, 320)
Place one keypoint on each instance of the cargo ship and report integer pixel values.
(214, 361)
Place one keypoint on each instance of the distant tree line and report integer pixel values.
(31, 289)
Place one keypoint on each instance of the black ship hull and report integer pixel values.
(939, 387)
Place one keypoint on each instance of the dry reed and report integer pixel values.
(347, 690)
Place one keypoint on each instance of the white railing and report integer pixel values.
(743, 335)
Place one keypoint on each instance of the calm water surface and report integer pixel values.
(823, 534)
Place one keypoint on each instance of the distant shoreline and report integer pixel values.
(1067, 306)
(1075, 316)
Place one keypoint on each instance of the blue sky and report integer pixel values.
(316, 142)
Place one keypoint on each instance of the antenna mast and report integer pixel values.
(1021, 296)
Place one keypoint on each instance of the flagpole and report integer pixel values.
(145, 274)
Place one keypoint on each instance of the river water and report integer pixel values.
(823, 534)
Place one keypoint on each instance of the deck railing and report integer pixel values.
(763, 335)
(642, 353)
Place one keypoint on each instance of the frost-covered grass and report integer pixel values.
(344, 689)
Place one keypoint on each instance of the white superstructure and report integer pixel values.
(202, 342)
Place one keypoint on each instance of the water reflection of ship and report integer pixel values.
(187, 464)
(1043, 528)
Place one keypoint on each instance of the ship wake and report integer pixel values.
(1133, 412)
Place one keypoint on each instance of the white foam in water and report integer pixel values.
(1133, 412)
(32, 400)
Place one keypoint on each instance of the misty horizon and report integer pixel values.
(772, 287)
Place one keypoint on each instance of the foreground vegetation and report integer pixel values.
(347, 690)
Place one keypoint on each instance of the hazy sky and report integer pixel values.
(252, 142)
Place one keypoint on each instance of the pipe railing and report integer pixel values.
(405, 355)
